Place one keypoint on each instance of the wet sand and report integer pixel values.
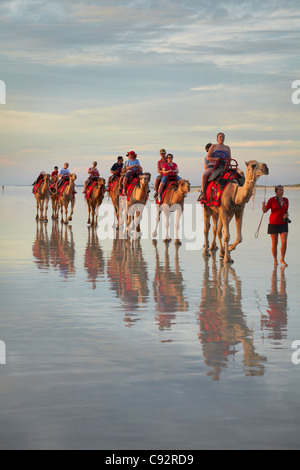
(112, 344)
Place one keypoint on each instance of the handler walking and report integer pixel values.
(278, 222)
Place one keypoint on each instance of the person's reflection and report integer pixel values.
(222, 322)
(276, 320)
(40, 247)
(127, 272)
(62, 249)
(93, 257)
(168, 289)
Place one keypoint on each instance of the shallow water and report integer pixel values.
(112, 344)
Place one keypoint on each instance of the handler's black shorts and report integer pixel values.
(275, 229)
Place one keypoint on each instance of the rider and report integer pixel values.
(160, 165)
(217, 152)
(131, 166)
(55, 172)
(116, 170)
(94, 173)
(63, 174)
(169, 169)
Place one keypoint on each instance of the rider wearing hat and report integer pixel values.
(131, 166)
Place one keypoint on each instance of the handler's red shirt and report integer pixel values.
(277, 211)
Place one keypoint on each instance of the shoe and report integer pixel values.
(155, 195)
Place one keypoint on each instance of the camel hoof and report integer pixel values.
(154, 242)
(168, 240)
(45, 221)
(178, 242)
(66, 222)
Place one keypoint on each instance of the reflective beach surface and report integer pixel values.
(118, 344)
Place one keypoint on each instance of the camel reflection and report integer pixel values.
(127, 272)
(168, 289)
(58, 252)
(93, 257)
(276, 320)
(40, 247)
(223, 324)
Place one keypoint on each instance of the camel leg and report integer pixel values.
(220, 238)
(226, 237)
(46, 202)
(72, 209)
(37, 210)
(213, 246)
(207, 215)
(178, 215)
(96, 214)
(158, 212)
(42, 209)
(66, 213)
(167, 226)
(61, 212)
(239, 238)
(89, 209)
(117, 216)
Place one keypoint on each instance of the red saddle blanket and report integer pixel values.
(36, 186)
(215, 190)
(62, 188)
(112, 184)
(90, 188)
(131, 185)
(168, 186)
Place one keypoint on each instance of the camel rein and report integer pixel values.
(258, 229)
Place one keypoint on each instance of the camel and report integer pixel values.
(174, 198)
(168, 287)
(94, 261)
(42, 199)
(127, 272)
(66, 198)
(95, 200)
(53, 197)
(137, 200)
(233, 203)
(223, 324)
(115, 197)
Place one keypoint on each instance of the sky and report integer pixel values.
(90, 80)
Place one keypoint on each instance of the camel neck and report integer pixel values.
(244, 193)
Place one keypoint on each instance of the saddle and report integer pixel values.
(172, 181)
(36, 184)
(222, 174)
(90, 187)
(133, 181)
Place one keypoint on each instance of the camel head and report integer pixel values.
(184, 186)
(73, 177)
(46, 177)
(145, 179)
(255, 169)
(101, 182)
